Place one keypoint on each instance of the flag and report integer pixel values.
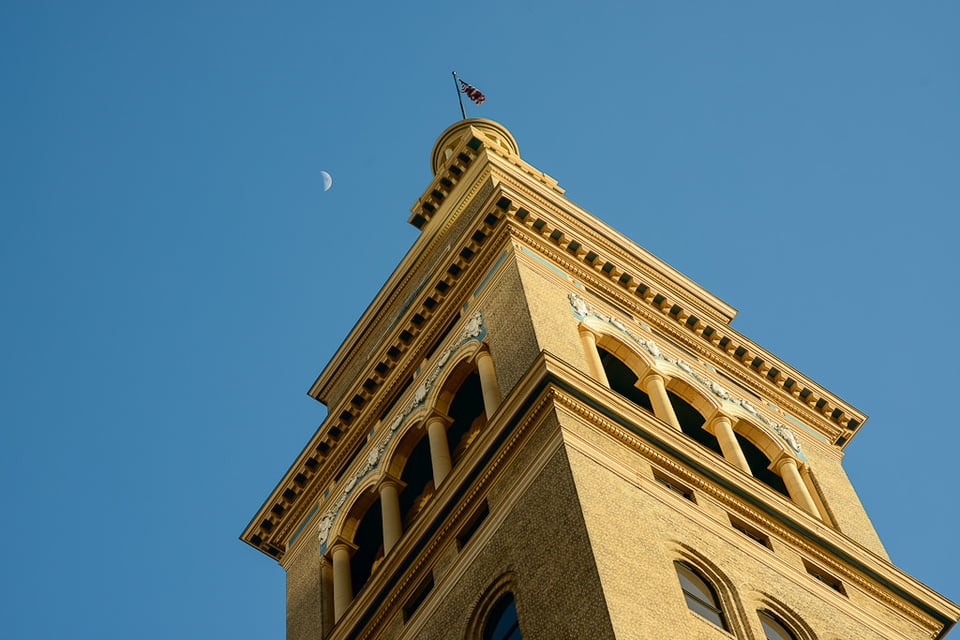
(472, 92)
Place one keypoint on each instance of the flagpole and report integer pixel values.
(459, 97)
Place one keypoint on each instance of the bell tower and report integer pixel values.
(538, 429)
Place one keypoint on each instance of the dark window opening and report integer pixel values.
(699, 594)
(675, 486)
(773, 629)
(423, 590)
(623, 380)
(369, 542)
(691, 423)
(751, 532)
(825, 578)
(502, 623)
(471, 527)
(418, 476)
(467, 414)
(759, 465)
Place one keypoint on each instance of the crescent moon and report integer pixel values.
(327, 180)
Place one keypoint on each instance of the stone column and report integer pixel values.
(795, 485)
(342, 582)
(390, 510)
(439, 447)
(488, 382)
(589, 340)
(721, 427)
(655, 387)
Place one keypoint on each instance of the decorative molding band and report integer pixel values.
(582, 310)
(475, 330)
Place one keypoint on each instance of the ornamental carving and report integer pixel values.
(582, 310)
(474, 330)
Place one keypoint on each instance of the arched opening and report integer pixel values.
(691, 423)
(623, 380)
(699, 594)
(467, 414)
(502, 623)
(759, 465)
(417, 476)
(368, 539)
(773, 629)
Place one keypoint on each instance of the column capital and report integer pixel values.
(652, 376)
(786, 460)
(388, 480)
(584, 328)
(790, 472)
(716, 420)
(340, 544)
(436, 416)
(482, 352)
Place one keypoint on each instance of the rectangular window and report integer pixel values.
(419, 595)
(674, 486)
(472, 525)
(824, 577)
(751, 532)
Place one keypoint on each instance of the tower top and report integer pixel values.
(479, 128)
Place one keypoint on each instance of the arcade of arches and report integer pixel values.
(426, 454)
(647, 387)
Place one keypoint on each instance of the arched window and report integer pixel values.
(760, 466)
(369, 541)
(468, 416)
(700, 596)
(623, 380)
(691, 423)
(417, 474)
(502, 623)
(773, 629)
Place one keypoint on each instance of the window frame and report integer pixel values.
(504, 604)
(787, 632)
(685, 572)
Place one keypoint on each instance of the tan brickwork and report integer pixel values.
(585, 500)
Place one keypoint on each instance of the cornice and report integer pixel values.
(751, 365)
(564, 216)
(398, 355)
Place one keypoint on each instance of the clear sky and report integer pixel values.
(174, 277)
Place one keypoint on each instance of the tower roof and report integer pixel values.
(470, 129)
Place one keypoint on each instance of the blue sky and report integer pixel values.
(174, 278)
